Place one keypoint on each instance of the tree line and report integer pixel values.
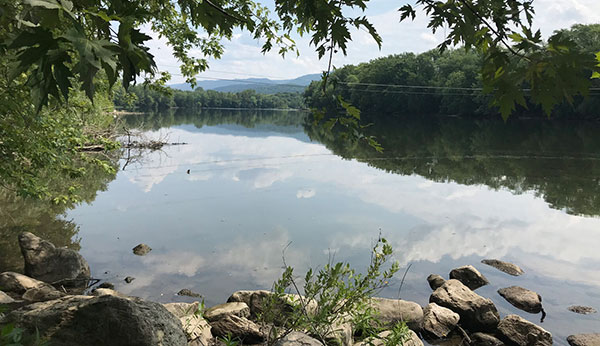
(151, 99)
(434, 83)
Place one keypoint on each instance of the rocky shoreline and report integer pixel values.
(49, 300)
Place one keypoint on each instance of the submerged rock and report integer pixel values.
(57, 266)
(584, 339)
(439, 321)
(483, 339)
(392, 311)
(524, 333)
(522, 298)
(435, 281)
(298, 339)
(238, 328)
(142, 249)
(189, 293)
(129, 279)
(219, 311)
(105, 320)
(507, 267)
(580, 309)
(107, 285)
(469, 276)
(476, 313)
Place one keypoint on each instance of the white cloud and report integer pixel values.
(306, 193)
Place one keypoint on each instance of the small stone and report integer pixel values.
(483, 339)
(129, 279)
(5, 298)
(435, 281)
(584, 339)
(469, 276)
(42, 294)
(523, 332)
(141, 249)
(298, 339)
(238, 328)
(241, 296)
(107, 285)
(105, 292)
(522, 298)
(392, 311)
(219, 311)
(508, 268)
(580, 309)
(439, 321)
(188, 293)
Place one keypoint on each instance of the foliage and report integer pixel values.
(146, 99)
(433, 83)
(61, 44)
(229, 340)
(331, 296)
(15, 336)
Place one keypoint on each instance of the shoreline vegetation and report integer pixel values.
(53, 305)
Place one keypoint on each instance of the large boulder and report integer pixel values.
(243, 296)
(239, 328)
(105, 320)
(469, 276)
(392, 311)
(234, 308)
(435, 281)
(522, 298)
(57, 266)
(5, 298)
(19, 283)
(584, 339)
(476, 313)
(439, 321)
(298, 339)
(42, 294)
(194, 325)
(508, 268)
(524, 333)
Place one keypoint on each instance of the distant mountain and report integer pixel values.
(260, 85)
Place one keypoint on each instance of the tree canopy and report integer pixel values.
(60, 44)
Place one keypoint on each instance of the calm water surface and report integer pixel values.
(445, 194)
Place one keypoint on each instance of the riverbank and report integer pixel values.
(55, 300)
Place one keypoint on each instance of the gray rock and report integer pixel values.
(194, 325)
(189, 293)
(483, 339)
(411, 340)
(584, 310)
(19, 283)
(241, 296)
(341, 332)
(129, 279)
(105, 292)
(522, 298)
(42, 294)
(298, 339)
(142, 249)
(107, 285)
(240, 328)
(435, 281)
(584, 339)
(219, 311)
(392, 311)
(5, 298)
(469, 276)
(439, 321)
(105, 320)
(508, 268)
(57, 266)
(476, 313)
(523, 332)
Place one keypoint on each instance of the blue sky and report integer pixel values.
(242, 58)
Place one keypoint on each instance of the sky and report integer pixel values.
(243, 59)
